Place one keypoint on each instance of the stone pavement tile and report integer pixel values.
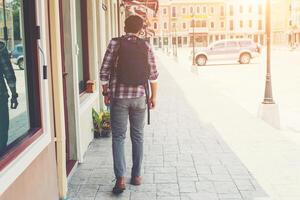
(167, 190)
(199, 196)
(219, 169)
(143, 196)
(100, 180)
(187, 187)
(81, 198)
(73, 190)
(226, 188)
(160, 170)
(251, 195)
(236, 196)
(170, 157)
(165, 178)
(244, 185)
(168, 198)
(205, 186)
(203, 170)
(214, 177)
(110, 196)
(143, 188)
(88, 190)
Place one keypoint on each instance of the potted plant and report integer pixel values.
(101, 122)
(96, 123)
(105, 124)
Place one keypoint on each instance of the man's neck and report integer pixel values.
(135, 34)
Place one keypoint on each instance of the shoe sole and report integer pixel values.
(118, 190)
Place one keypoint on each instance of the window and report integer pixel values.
(241, 9)
(174, 40)
(250, 9)
(219, 45)
(231, 25)
(184, 25)
(232, 44)
(259, 25)
(222, 24)
(222, 11)
(165, 25)
(245, 43)
(174, 25)
(198, 9)
(212, 25)
(82, 42)
(185, 40)
(191, 10)
(260, 10)
(164, 11)
(203, 24)
(155, 41)
(183, 10)
(241, 24)
(204, 9)
(173, 11)
(250, 23)
(231, 10)
(155, 25)
(212, 10)
(19, 80)
(166, 41)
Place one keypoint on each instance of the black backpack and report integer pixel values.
(133, 68)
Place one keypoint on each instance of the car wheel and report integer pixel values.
(245, 58)
(21, 64)
(201, 60)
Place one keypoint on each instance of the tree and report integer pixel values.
(16, 5)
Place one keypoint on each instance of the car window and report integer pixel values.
(232, 44)
(245, 43)
(20, 49)
(219, 45)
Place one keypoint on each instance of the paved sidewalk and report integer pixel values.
(185, 159)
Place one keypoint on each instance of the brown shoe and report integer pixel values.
(119, 186)
(136, 180)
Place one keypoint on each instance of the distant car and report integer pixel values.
(17, 56)
(241, 50)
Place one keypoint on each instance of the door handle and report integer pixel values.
(65, 74)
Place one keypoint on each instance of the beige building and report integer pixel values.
(245, 19)
(214, 20)
(281, 20)
(295, 22)
(174, 22)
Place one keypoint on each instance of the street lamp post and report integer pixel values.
(268, 97)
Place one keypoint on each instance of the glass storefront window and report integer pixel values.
(19, 80)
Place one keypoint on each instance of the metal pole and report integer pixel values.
(268, 98)
(194, 62)
(118, 16)
(5, 25)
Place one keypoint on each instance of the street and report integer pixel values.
(245, 84)
(19, 122)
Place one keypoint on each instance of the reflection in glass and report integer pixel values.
(14, 119)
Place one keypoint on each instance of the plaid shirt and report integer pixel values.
(6, 72)
(109, 61)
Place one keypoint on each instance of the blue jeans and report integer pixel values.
(121, 110)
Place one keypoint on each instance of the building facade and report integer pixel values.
(295, 22)
(179, 20)
(46, 136)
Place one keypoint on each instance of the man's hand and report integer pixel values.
(152, 103)
(14, 103)
(107, 100)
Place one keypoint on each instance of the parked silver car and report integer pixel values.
(241, 50)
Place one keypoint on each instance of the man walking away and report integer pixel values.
(127, 67)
